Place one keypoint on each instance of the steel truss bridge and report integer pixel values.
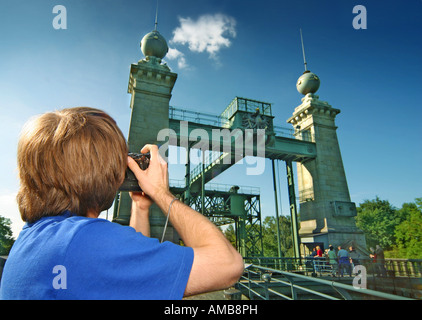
(241, 118)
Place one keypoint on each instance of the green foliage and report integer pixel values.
(409, 232)
(398, 231)
(230, 234)
(378, 219)
(6, 239)
(269, 234)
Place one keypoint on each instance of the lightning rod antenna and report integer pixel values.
(303, 50)
(156, 16)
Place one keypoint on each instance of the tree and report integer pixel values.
(269, 234)
(409, 232)
(378, 220)
(230, 234)
(6, 238)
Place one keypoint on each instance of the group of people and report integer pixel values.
(340, 262)
(344, 261)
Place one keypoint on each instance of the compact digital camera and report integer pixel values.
(131, 183)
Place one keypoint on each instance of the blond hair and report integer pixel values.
(73, 159)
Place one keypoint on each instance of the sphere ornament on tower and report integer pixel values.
(153, 44)
(308, 82)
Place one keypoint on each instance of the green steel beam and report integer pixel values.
(276, 210)
(293, 209)
(242, 209)
(280, 148)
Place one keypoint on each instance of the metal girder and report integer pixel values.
(281, 148)
(293, 209)
(227, 207)
(211, 170)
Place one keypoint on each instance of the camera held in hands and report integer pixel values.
(131, 183)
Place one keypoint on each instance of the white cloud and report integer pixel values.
(209, 33)
(174, 54)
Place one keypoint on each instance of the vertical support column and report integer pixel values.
(187, 195)
(276, 210)
(261, 241)
(293, 208)
(241, 229)
(203, 183)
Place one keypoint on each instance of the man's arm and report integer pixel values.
(139, 218)
(216, 264)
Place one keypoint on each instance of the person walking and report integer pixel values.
(354, 257)
(332, 259)
(380, 267)
(343, 261)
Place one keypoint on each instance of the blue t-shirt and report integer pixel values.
(72, 257)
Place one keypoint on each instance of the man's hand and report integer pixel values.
(141, 200)
(154, 180)
(154, 183)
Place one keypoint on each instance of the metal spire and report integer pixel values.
(303, 50)
(156, 17)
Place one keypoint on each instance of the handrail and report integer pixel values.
(223, 187)
(196, 117)
(390, 267)
(223, 122)
(343, 289)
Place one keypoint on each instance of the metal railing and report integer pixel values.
(247, 105)
(222, 121)
(261, 282)
(284, 132)
(393, 268)
(287, 132)
(213, 156)
(222, 187)
(196, 117)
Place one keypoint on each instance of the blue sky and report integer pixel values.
(249, 49)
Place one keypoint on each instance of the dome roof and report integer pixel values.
(308, 82)
(154, 44)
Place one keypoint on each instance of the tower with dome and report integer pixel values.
(150, 84)
(326, 211)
